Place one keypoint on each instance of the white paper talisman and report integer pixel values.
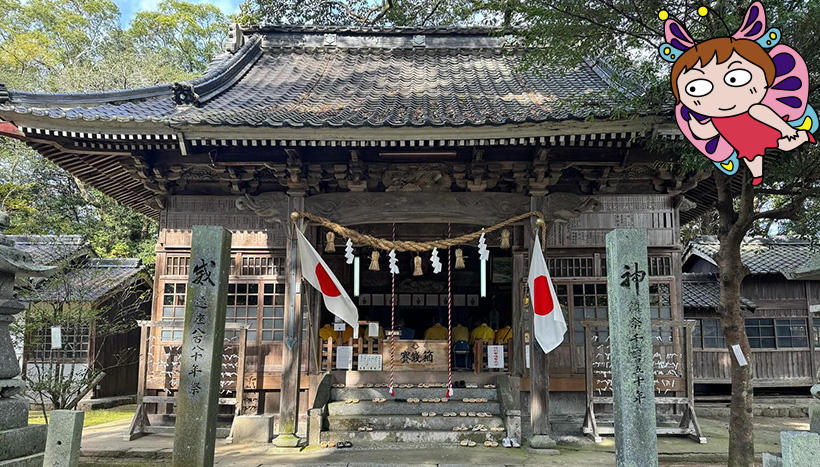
(339, 326)
(344, 357)
(741, 359)
(373, 330)
(527, 355)
(56, 337)
(495, 356)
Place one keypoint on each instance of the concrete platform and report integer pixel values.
(404, 393)
(105, 443)
(405, 408)
(408, 422)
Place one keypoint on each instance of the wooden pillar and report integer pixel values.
(518, 365)
(539, 370)
(291, 351)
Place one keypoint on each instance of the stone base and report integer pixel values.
(34, 460)
(814, 417)
(541, 442)
(286, 441)
(543, 452)
(772, 460)
(799, 448)
(252, 429)
(13, 413)
(22, 442)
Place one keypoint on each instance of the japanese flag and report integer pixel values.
(315, 271)
(548, 320)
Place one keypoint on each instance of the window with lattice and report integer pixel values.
(74, 347)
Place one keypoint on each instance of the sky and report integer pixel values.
(129, 8)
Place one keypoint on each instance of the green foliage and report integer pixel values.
(78, 45)
(190, 33)
(370, 12)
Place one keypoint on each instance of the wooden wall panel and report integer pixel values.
(249, 229)
(652, 212)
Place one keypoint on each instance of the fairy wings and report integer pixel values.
(787, 96)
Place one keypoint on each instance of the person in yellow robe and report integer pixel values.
(436, 332)
(347, 334)
(326, 332)
(503, 335)
(461, 333)
(482, 333)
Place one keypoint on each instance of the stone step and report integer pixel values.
(341, 394)
(405, 422)
(403, 408)
(364, 438)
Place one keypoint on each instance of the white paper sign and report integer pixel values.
(56, 337)
(344, 357)
(373, 330)
(370, 362)
(495, 356)
(339, 326)
(741, 359)
(527, 355)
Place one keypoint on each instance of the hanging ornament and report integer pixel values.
(483, 256)
(417, 266)
(435, 261)
(374, 261)
(394, 263)
(459, 259)
(505, 239)
(349, 251)
(330, 245)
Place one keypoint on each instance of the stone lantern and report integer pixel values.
(18, 441)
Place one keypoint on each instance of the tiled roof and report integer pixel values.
(50, 249)
(343, 77)
(89, 281)
(702, 291)
(775, 255)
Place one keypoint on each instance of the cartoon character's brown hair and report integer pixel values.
(722, 48)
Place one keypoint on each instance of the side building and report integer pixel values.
(780, 304)
(94, 303)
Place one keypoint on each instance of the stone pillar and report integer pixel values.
(539, 363)
(18, 441)
(65, 432)
(799, 448)
(291, 351)
(200, 361)
(630, 336)
(814, 407)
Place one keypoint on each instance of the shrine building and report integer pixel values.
(417, 133)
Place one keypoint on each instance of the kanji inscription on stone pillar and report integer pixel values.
(630, 331)
(202, 344)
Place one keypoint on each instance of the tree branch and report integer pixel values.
(786, 212)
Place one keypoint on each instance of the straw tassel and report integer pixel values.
(330, 244)
(417, 266)
(374, 261)
(505, 239)
(459, 259)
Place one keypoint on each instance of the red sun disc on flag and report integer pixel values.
(326, 283)
(543, 303)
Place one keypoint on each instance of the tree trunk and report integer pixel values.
(733, 227)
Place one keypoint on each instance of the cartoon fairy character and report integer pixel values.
(735, 99)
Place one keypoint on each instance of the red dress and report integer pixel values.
(748, 136)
